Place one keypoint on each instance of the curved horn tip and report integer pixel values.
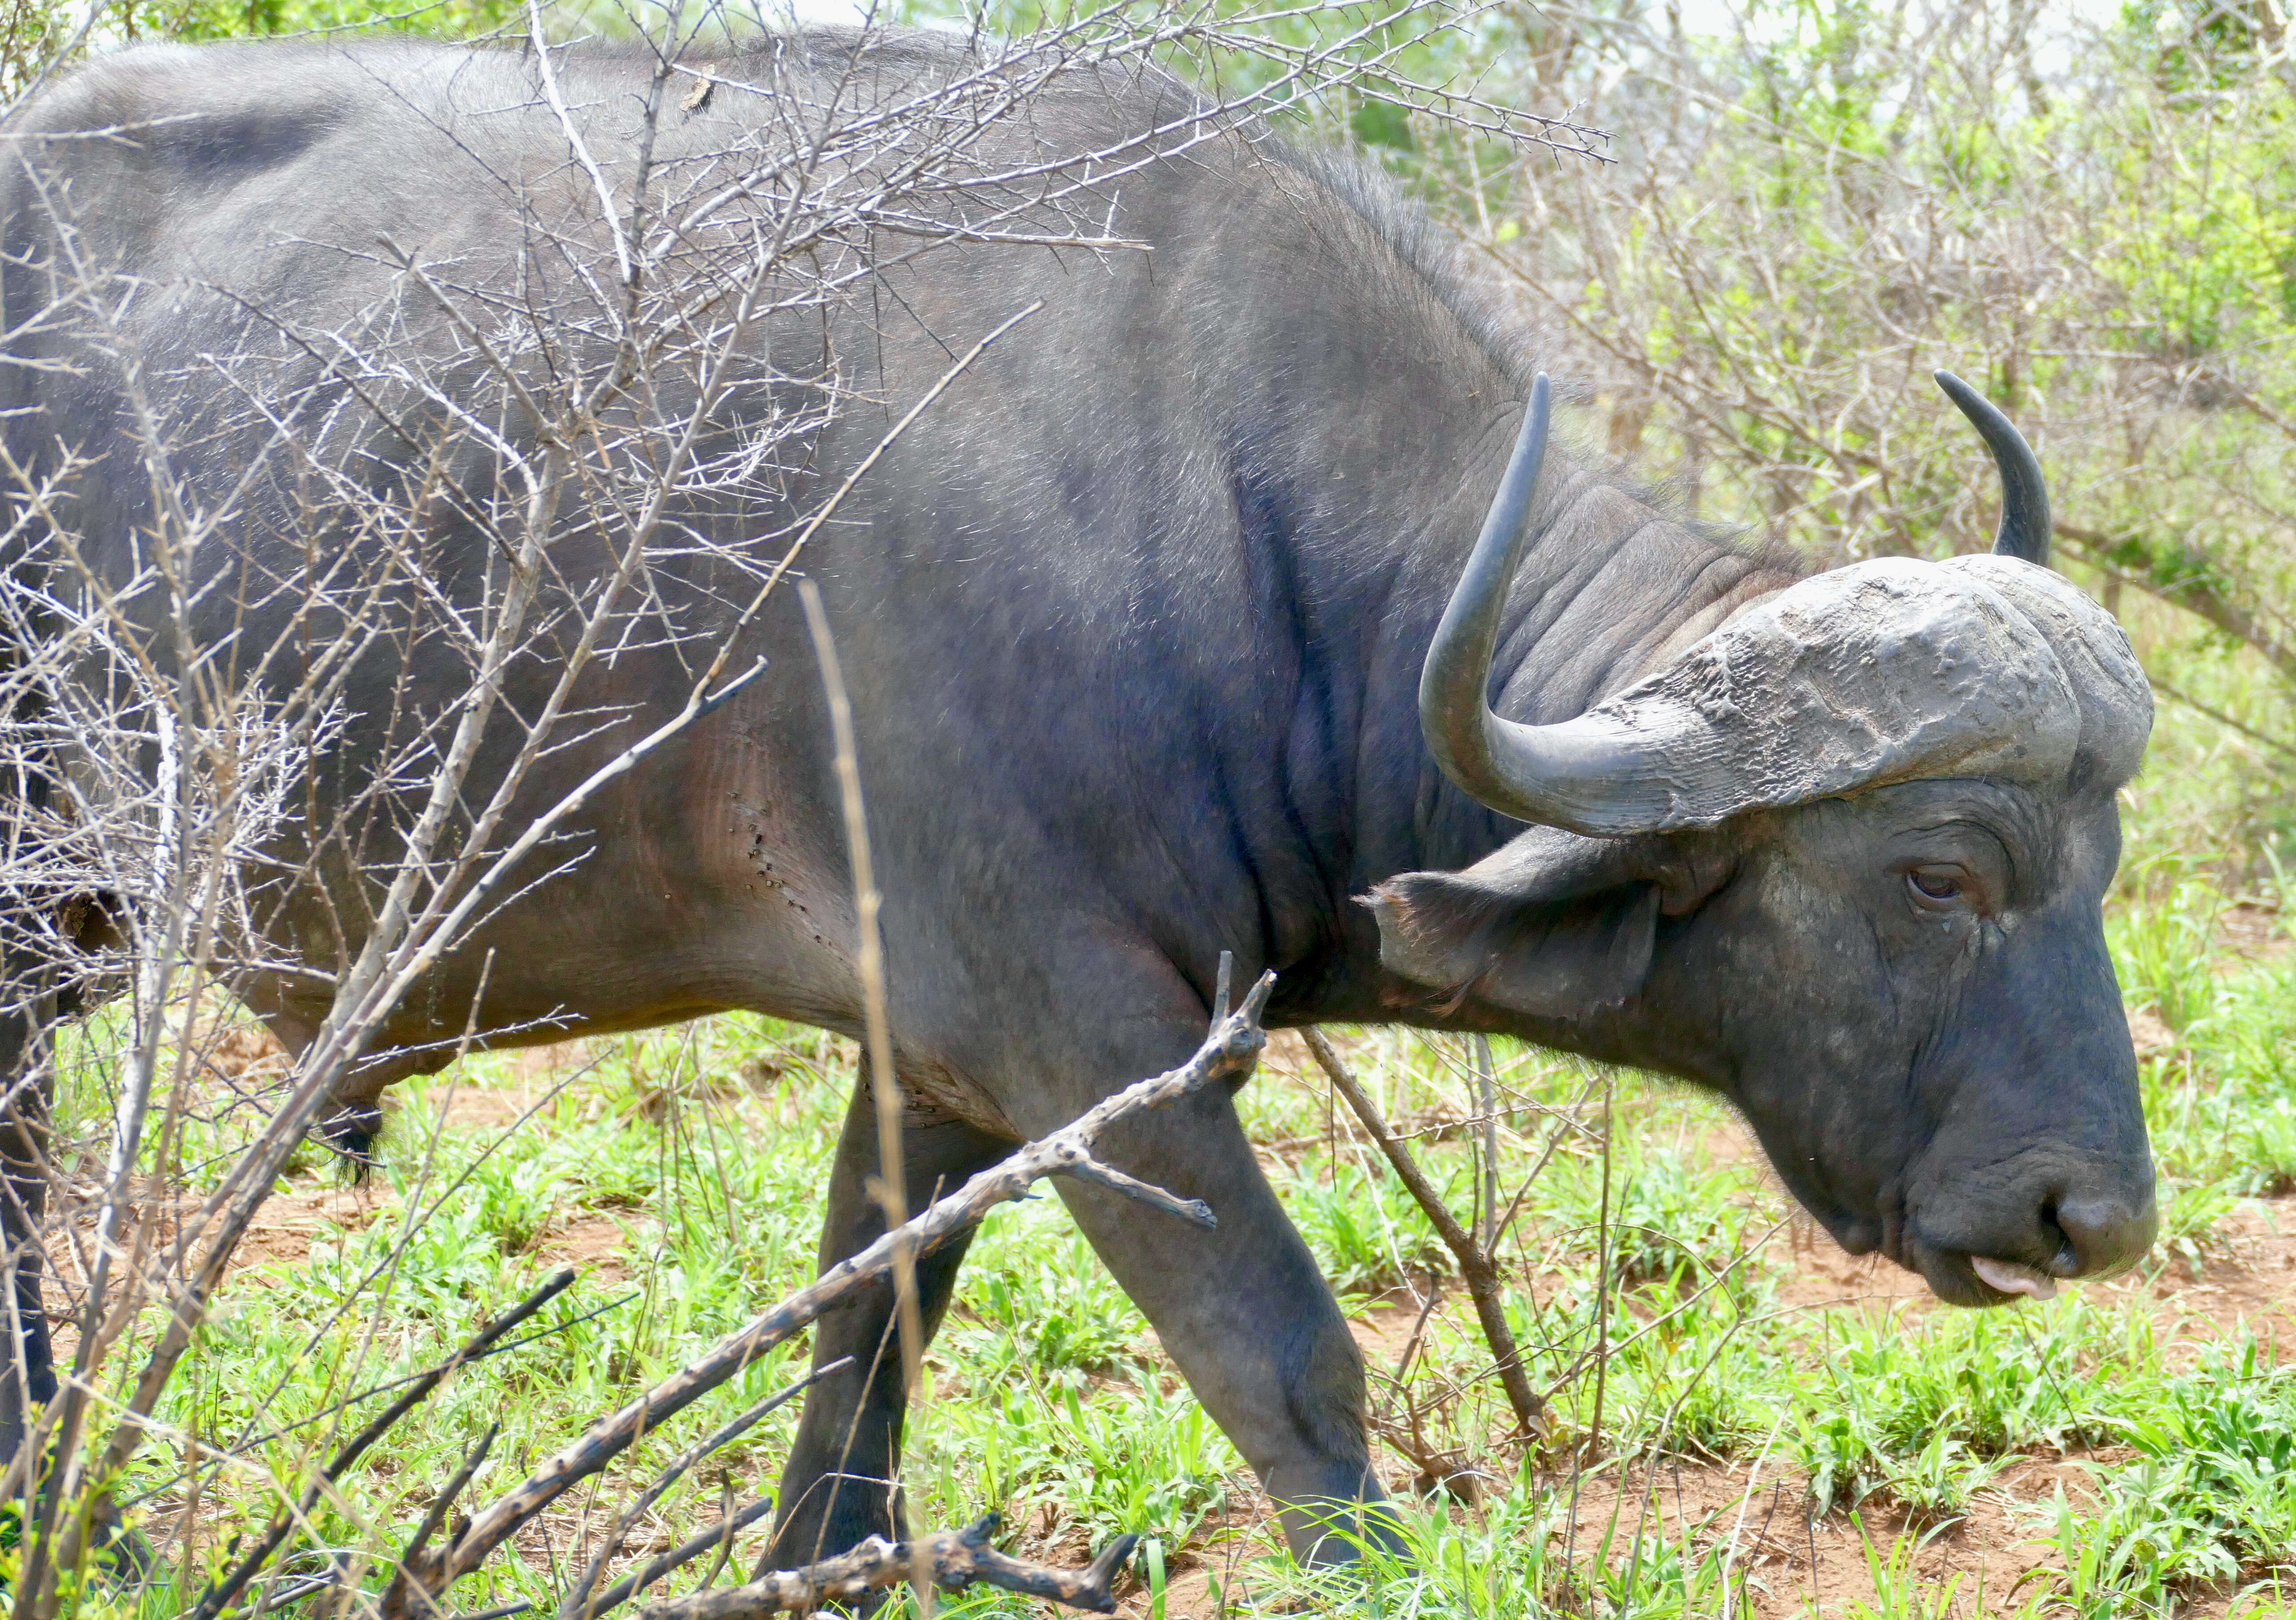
(2024, 530)
(1453, 707)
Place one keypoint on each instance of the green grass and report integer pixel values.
(702, 1154)
(1051, 1404)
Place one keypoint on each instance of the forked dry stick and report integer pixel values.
(946, 1559)
(717, 1537)
(1477, 1267)
(1229, 1053)
(578, 1603)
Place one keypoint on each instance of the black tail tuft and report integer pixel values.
(351, 1135)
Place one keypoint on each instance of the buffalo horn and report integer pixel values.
(1563, 776)
(1878, 671)
(2024, 531)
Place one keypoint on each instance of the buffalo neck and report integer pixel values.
(1610, 588)
(1310, 347)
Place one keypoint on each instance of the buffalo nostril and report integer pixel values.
(2104, 1235)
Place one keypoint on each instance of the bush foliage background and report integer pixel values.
(1809, 205)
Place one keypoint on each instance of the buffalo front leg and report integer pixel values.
(839, 1487)
(1245, 1314)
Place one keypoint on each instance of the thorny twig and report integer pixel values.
(576, 1602)
(1477, 1268)
(229, 1584)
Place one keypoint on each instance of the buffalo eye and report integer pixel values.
(1938, 885)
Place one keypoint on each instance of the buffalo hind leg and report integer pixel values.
(27, 1378)
(836, 1491)
(28, 1375)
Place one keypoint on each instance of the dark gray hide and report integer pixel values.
(1134, 622)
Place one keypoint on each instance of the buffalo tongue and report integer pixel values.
(2011, 1277)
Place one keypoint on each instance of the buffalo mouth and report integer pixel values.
(1992, 1250)
(2013, 1277)
(1965, 1278)
(2090, 1237)
(2097, 1239)
(1962, 1277)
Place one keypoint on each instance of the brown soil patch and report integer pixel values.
(290, 1222)
(321, 1202)
(471, 1108)
(2245, 1279)
(243, 1052)
(595, 1243)
(2250, 934)
(2151, 1036)
(1383, 1328)
(309, 1209)
(319, 1206)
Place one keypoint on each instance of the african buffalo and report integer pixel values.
(1167, 633)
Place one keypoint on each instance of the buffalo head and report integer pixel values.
(1843, 861)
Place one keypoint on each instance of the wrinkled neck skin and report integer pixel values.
(1610, 588)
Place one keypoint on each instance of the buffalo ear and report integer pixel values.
(1554, 925)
